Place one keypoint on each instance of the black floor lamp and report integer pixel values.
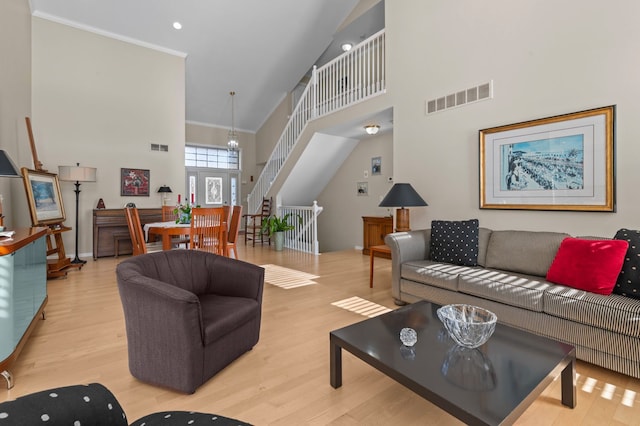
(77, 174)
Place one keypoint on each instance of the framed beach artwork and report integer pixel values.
(43, 196)
(564, 162)
(134, 182)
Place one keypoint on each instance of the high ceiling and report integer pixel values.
(259, 49)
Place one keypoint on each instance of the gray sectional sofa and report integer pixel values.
(509, 280)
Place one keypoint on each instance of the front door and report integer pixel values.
(213, 187)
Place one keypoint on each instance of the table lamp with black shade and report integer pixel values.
(7, 169)
(164, 190)
(77, 174)
(402, 195)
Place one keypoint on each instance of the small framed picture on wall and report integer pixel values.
(134, 182)
(363, 188)
(376, 165)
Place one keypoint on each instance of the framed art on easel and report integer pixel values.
(43, 197)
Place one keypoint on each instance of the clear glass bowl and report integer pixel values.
(469, 326)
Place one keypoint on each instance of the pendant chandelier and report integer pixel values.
(232, 138)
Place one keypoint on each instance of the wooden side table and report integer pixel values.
(374, 230)
(381, 251)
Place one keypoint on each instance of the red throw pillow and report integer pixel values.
(590, 265)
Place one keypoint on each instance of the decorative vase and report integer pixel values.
(278, 238)
(184, 217)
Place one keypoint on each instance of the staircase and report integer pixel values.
(349, 79)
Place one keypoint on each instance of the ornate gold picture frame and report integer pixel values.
(565, 162)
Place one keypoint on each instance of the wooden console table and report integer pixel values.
(107, 222)
(375, 228)
(23, 260)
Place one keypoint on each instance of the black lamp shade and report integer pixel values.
(7, 168)
(402, 195)
(164, 188)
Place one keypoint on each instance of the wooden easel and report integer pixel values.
(59, 266)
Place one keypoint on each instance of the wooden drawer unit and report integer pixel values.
(375, 228)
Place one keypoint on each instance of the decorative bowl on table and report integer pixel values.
(469, 326)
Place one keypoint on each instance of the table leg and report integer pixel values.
(371, 256)
(166, 241)
(335, 360)
(568, 384)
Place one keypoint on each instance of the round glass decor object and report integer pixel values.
(469, 326)
(408, 336)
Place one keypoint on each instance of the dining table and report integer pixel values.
(166, 230)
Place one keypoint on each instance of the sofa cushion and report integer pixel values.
(523, 291)
(443, 275)
(628, 282)
(171, 418)
(484, 234)
(591, 265)
(223, 314)
(527, 252)
(455, 242)
(615, 313)
(91, 404)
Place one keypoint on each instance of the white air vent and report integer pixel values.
(158, 147)
(473, 94)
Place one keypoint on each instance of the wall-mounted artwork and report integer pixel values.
(376, 165)
(557, 163)
(134, 182)
(43, 196)
(362, 188)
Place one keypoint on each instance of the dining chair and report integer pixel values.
(138, 243)
(253, 224)
(169, 214)
(208, 230)
(234, 229)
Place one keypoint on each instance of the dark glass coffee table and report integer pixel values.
(492, 384)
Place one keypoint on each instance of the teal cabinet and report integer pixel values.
(23, 291)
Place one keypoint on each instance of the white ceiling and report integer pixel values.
(259, 49)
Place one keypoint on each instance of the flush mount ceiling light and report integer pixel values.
(346, 47)
(232, 138)
(371, 129)
(177, 25)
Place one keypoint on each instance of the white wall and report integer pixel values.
(340, 223)
(101, 102)
(15, 102)
(546, 58)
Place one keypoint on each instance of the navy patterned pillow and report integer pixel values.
(455, 242)
(628, 283)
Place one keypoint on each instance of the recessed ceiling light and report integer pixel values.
(346, 47)
(177, 25)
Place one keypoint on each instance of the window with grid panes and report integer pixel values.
(211, 157)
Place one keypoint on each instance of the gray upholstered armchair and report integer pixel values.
(188, 314)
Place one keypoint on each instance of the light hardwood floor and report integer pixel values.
(284, 380)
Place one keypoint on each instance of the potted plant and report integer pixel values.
(275, 226)
(183, 213)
